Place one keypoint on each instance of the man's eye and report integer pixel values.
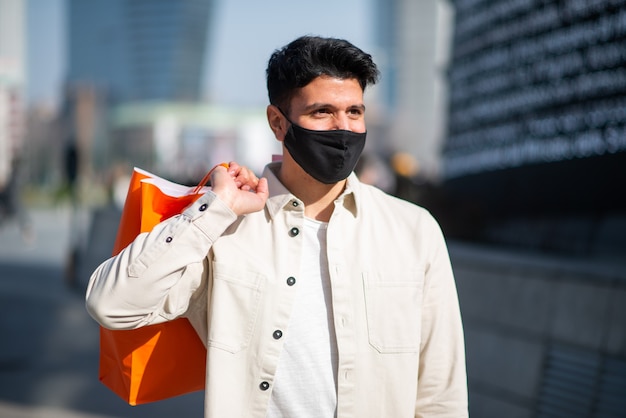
(321, 112)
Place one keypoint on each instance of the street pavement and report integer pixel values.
(49, 345)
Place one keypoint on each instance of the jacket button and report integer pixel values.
(203, 207)
(277, 334)
(291, 281)
(264, 386)
(168, 239)
(294, 231)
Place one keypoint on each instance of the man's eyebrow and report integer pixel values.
(318, 105)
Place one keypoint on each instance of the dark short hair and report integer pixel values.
(308, 57)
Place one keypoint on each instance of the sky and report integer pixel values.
(242, 36)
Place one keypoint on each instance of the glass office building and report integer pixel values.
(139, 50)
(536, 131)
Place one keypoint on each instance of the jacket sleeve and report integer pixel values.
(442, 382)
(160, 272)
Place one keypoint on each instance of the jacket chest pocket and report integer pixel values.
(393, 304)
(233, 306)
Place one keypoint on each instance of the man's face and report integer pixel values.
(328, 103)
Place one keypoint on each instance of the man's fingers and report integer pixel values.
(239, 188)
(245, 178)
(262, 189)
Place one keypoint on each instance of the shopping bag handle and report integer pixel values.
(206, 178)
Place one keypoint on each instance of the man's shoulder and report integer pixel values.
(375, 195)
(381, 203)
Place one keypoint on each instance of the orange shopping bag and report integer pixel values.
(159, 361)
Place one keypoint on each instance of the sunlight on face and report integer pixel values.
(329, 103)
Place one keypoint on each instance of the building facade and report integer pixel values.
(533, 170)
(536, 135)
(12, 83)
(123, 52)
(411, 49)
(138, 50)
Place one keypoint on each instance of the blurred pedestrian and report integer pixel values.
(11, 205)
(315, 294)
(71, 164)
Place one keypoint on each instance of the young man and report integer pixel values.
(316, 295)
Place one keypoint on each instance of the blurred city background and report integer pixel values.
(505, 118)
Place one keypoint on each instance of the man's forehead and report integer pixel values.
(329, 91)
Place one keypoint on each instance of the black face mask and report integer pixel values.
(327, 156)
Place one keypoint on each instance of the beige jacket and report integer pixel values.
(396, 313)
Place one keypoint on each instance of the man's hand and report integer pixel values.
(239, 188)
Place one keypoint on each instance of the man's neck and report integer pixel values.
(318, 198)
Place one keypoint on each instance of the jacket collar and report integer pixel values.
(280, 196)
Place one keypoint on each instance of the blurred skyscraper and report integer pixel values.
(138, 50)
(534, 159)
(126, 53)
(12, 82)
(536, 132)
(411, 39)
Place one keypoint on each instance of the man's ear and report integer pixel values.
(277, 122)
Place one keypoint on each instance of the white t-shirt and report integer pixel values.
(305, 384)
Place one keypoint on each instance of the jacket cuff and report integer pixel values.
(210, 215)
